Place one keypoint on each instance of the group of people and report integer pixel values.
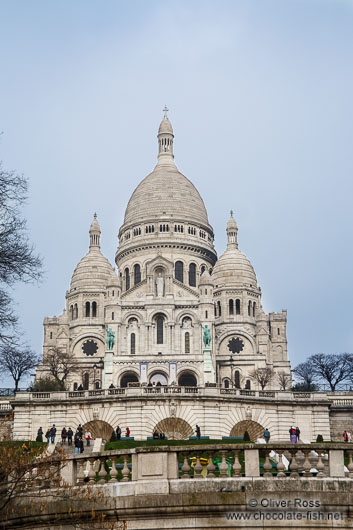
(118, 432)
(67, 434)
(50, 434)
(294, 435)
(158, 435)
(347, 437)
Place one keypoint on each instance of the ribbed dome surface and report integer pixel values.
(233, 268)
(94, 272)
(166, 192)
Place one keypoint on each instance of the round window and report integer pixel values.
(90, 347)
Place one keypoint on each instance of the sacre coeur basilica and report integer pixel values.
(171, 337)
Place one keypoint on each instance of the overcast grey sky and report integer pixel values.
(260, 98)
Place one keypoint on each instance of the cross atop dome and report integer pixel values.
(165, 110)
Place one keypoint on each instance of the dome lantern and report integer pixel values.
(232, 232)
(165, 140)
(94, 233)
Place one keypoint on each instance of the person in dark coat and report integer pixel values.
(80, 430)
(118, 433)
(47, 435)
(198, 432)
(81, 445)
(267, 435)
(63, 436)
(77, 445)
(297, 433)
(155, 435)
(53, 434)
(39, 435)
(69, 436)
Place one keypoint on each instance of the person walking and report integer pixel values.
(39, 435)
(47, 435)
(118, 433)
(53, 434)
(267, 435)
(88, 438)
(80, 430)
(293, 435)
(69, 436)
(81, 445)
(345, 436)
(198, 432)
(127, 434)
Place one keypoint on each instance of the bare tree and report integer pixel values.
(60, 364)
(307, 377)
(17, 361)
(18, 260)
(333, 369)
(263, 376)
(284, 380)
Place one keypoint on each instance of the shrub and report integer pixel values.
(246, 437)
(113, 437)
(46, 384)
(319, 439)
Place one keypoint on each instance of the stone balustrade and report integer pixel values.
(338, 399)
(280, 460)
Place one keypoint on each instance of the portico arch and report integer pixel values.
(98, 429)
(254, 429)
(174, 428)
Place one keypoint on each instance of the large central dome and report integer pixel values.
(166, 192)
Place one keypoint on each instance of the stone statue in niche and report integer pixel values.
(160, 285)
(186, 323)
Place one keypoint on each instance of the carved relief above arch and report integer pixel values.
(174, 428)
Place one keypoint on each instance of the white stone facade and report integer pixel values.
(167, 287)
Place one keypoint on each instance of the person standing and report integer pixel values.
(127, 434)
(267, 435)
(88, 438)
(345, 436)
(198, 432)
(63, 436)
(77, 445)
(118, 433)
(81, 445)
(297, 434)
(69, 436)
(80, 430)
(53, 434)
(47, 435)
(39, 435)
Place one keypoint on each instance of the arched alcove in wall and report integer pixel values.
(98, 429)
(174, 429)
(254, 429)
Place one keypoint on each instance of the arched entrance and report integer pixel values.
(174, 428)
(128, 377)
(254, 429)
(187, 379)
(98, 429)
(158, 378)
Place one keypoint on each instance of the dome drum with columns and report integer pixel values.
(177, 314)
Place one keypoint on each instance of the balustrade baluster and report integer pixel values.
(293, 464)
(306, 463)
(280, 465)
(125, 471)
(237, 464)
(185, 467)
(102, 473)
(91, 469)
(267, 465)
(113, 471)
(211, 468)
(350, 463)
(320, 466)
(80, 472)
(198, 467)
(223, 468)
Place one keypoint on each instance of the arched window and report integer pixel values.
(219, 308)
(97, 385)
(160, 326)
(203, 268)
(127, 279)
(215, 310)
(72, 312)
(249, 308)
(132, 343)
(187, 342)
(94, 309)
(236, 379)
(88, 309)
(231, 307)
(248, 384)
(237, 306)
(254, 309)
(179, 271)
(187, 379)
(128, 377)
(137, 274)
(76, 311)
(226, 383)
(192, 275)
(75, 386)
